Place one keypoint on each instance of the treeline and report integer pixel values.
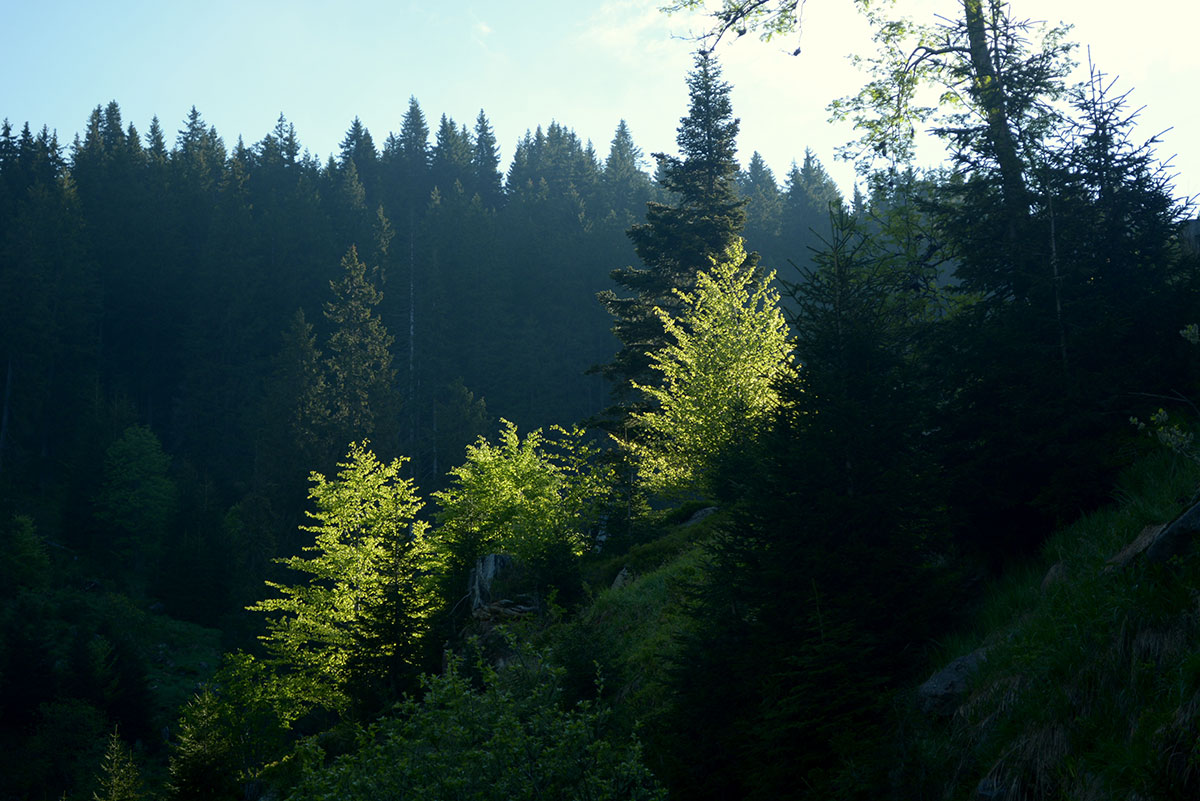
(949, 374)
(156, 286)
(188, 329)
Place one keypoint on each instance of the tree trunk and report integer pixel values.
(8, 381)
(990, 91)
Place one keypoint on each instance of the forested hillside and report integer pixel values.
(403, 475)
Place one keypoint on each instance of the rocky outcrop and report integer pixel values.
(1174, 539)
(699, 515)
(946, 690)
(623, 578)
(1130, 551)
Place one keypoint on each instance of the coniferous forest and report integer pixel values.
(411, 474)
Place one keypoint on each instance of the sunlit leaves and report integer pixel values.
(729, 346)
(360, 582)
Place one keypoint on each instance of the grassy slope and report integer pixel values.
(1091, 689)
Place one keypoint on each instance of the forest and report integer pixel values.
(403, 475)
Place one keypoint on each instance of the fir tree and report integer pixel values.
(360, 379)
(485, 163)
(678, 240)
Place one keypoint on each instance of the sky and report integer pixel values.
(586, 65)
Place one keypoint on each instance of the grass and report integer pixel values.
(1092, 684)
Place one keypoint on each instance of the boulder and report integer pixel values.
(1053, 576)
(623, 578)
(1140, 544)
(945, 690)
(699, 515)
(1174, 539)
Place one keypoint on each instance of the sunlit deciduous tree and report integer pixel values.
(729, 346)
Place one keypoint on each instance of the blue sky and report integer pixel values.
(586, 65)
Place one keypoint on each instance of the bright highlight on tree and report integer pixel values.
(360, 615)
(730, 345)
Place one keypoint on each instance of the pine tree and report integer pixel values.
(626, 186)
(358, 148)
(764, 204)
(119, 779)
(452, 157)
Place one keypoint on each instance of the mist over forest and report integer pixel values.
(600, 473)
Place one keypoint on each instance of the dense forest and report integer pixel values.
(400, 475)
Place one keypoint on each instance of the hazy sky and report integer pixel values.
(584, 64)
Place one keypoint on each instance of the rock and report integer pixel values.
(699, 515)
(945, 690)
(1174, 539)
(623, 578)
(1055, 574)
(990, 789)
(1141, 543)
(479, 584)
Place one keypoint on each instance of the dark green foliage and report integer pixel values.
(512, 739)
(136, 501)
(1061, 340)
(360, 400)
(703, 217)
(826, 579)
(204, 757)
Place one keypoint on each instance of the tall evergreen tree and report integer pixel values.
(452, 157)
(360, 379)
(764, 204)
(485, 163)
(358, 147)
(679, 239)
(626, 186)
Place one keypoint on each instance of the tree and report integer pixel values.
(350, 638)
(358, 148)
(719, 375)
(137, 500)
(452, 157)
(513, 738)
(534, 498)
(626, 186)
(485, 163)
(119, 779)
(764, 204)
(360, 380)
(677, 241)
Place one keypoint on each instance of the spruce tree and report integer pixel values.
(360, 378)
(485, 163)
(680, 238)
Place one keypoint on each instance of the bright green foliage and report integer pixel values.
(512, 740)
(533, 498)
(522, 496)
(730, 346)
(119, 779)
(357, 622)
